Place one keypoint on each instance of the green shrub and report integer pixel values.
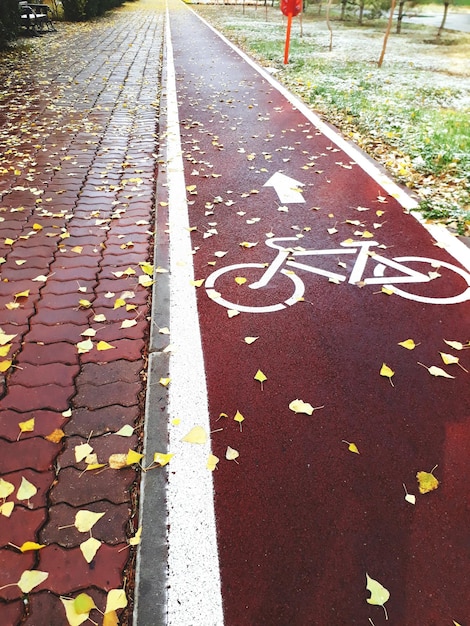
(80, 10)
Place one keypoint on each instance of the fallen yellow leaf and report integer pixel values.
(387, 372)
(26, 490)
(89, 548)
(116, 600)
(427, 481)
(104, 345)
(31, 545)
(30, 579)
(85, 520)
(197, 434)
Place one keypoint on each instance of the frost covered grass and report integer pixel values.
(412, 114)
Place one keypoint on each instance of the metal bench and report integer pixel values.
(36, 18)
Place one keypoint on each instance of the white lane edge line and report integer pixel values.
(438, 232)
(194, 594)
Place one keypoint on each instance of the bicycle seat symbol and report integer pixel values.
(386, 272)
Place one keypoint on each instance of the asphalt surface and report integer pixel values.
(130, 147)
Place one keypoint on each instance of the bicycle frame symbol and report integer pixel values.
(362, 249)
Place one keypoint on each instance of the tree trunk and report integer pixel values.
(343, 9)
(444, 17)
(328, 6)
(387, 32)
(401, 7)
(361, 11)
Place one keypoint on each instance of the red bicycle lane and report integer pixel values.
(302, 516)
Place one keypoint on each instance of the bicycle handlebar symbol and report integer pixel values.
(288, 256)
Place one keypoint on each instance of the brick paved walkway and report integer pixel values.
(78, 124)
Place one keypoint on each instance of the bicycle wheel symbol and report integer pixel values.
(223, 279)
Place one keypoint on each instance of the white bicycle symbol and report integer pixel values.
(288, 256)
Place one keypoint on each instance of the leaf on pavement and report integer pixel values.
(55, 436)
(133, 457)
(89, 548)
(231, 454)
(457, 345)
(135, 540)
(82, 451)
(30, 579)
(250, 340)
(427, 481)
(212, 462)
(6, 488)
(6, 509)
(387, 372)
(162, 459)
(436, 371)
(352, 447)
(126, 431)
(409, 344)
(115, 600)
(260, 377)
(299, 406)
(31, 545)
(197, 434)
(83, 603)
(378, 593)
(104, 345)
(85, 520)
(26, 490)
(450, 359)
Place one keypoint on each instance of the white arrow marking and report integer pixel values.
(286, 188)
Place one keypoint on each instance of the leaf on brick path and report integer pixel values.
(250, 340)
(147, 268)
(299, 406)
(104, 345)
(133, 457)
(387, 372)
(55, 436)
(145, 281)
(20, 262)
(22, 294)
(110, 619)
(6, 488)
(4, 350)
(30, 579)
(77, 249)
(93, 466)
(115, 600)
(135, 540)
(126, 431)
(409, 497)
(232, 313)
(409, 344)
(6, 508)
(84, 304)
(31, 545)
(164, 382)
(450, 359)
(89, 548)
(26, 490)
(117, 461)
(427, 481)
(40, 279)
(26, 427)
(85, 520)
(91, 459)
(4, 338)
(89, 332)
(99, 318)
(118, 303)
(9, 241)
(84, 346)
(11, 306)
(82, 451)
(5, 365)
(197, 434)
(83, 604)
(378, 593)
(436, 371)
(456, 623)
(231, 454)
(162, 458)
(351, 447)
(212, 462)
(128, 323)
(67, 413)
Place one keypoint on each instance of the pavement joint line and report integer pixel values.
(454, 246)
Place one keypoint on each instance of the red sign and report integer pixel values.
(291, 7)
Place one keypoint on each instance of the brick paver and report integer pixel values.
(76, 214)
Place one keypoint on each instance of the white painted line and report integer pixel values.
(287, 188)
(440, 233)
(194, 595)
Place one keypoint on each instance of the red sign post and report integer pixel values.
(289, 8)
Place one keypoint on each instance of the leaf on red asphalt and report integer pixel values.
(378, 593)
(299, 406)
(231, 454)
(352, 447)
(212, 462)
(387, 372)
(457, 345)
(436, 371)
(409, 344)
(450, 359)
(250, 340)
(427, 481)
(260, 377)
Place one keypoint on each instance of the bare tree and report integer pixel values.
(387, 33)
(328, 6)
(444, 17)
